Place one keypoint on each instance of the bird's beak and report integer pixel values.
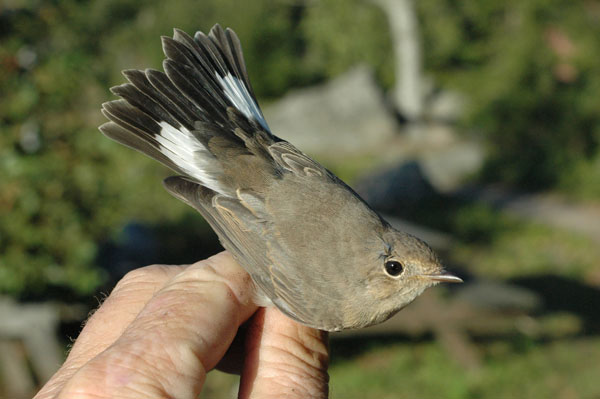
(443, 277)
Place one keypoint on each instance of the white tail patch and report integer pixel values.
(181, 147)
(236, 92)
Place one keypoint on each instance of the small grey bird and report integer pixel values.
(312, 246)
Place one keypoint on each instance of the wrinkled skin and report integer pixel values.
(164, 327)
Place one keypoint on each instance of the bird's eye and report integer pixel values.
(393, 268)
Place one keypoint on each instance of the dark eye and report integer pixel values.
(393, 268)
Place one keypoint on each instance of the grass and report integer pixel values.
(409, 370)
(562, 369)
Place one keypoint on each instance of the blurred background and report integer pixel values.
(474, 125)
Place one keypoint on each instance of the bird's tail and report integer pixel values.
(170, 116)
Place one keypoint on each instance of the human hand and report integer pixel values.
(164, 327)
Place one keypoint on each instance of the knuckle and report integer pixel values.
(143, 275)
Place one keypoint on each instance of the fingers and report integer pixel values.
(284, 359)
(118, 310)
(110, 320)
(164, 327)
(174, 329)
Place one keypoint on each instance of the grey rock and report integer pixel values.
(400, 186)
(447, 168)
(445, 106)
(547, 209)
(345, 115)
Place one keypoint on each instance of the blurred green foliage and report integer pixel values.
(499, 246)
(342, 33)
(529, 69)
(65, 188)
(532, 75)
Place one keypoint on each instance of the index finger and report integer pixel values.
(108, 322)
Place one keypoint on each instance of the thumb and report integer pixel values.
(284, 359)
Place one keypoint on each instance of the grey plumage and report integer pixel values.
(313, 248)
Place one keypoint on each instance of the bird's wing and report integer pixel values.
(247, 231)
(238, 229)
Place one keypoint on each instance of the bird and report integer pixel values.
(313, 248)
